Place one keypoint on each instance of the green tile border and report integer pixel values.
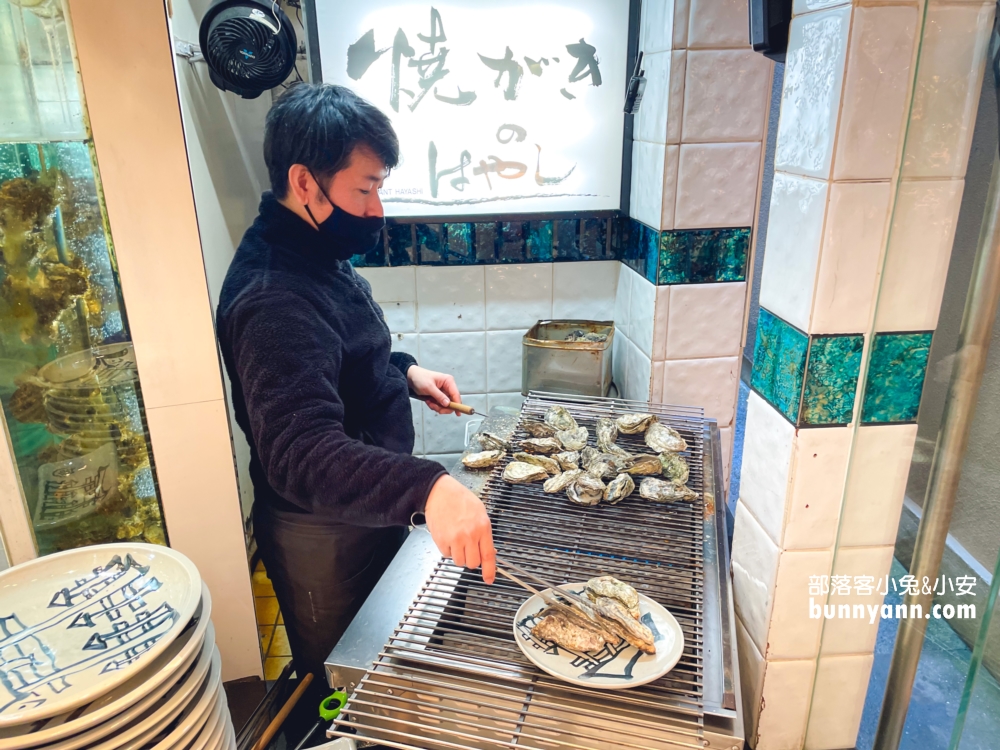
(894, 382)
(779, 363)
(831, 381)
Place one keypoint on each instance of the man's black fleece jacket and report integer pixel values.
(324, 404)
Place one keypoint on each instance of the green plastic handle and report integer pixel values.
(329, 709)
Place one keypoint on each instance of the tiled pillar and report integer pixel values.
(695, 182)
(848, 307)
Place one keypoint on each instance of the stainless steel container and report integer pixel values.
(553, 364)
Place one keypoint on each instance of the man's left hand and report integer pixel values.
(439, 387)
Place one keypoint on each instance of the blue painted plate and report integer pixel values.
(613, 667)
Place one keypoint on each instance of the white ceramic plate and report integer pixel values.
(211, 734)
(139, 722)
(76, 624)
(612, 668)
(154, 680)
(196, 714)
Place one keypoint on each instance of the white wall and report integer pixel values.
(469, 320)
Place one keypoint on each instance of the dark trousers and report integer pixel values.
(322, 573)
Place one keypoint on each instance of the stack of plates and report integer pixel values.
(110, 647)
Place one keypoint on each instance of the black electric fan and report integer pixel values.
(249, 45)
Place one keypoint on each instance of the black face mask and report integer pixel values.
(349, 235)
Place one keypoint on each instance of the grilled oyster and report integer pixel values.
(541, 445)
(491, 442)
(618, 488)
(633, 424)
(518, 472)
(560, 418)
(538, 429)
(645, 464)
(586, 489)
(568, 459)
(587, 456)
(602, 466)
(573, 440)
(675, 468)
(574, 634)
(607, 433)
(620, 621)
(665, 492)
(612, 588)
(561, 481)
(550, 465)
(482, 460)
(663, 439)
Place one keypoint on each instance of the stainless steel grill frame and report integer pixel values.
(451, 676)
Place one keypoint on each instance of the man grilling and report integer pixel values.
(323, 401)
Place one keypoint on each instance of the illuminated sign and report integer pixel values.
(499, 106)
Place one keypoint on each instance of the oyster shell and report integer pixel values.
(561, 481)
(633, 424)
(587, 456)
(675, 468)
(607, 433)
(619, 620)
(518, 472)
(618, 488)
(491, 442)
(573, 635)
(538, 429)
(665, 492)
(550, 465)
(612, 588)
(482, 460)
(541, 445)
(568, 460)
(573, 440)
(645, 464)
(602, 467)
(663, 439)
(586, 489)
(560, 418)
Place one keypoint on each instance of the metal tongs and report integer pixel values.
(577, 605)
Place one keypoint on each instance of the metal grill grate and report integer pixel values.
(451, 675)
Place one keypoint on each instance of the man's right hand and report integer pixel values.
(460, 527)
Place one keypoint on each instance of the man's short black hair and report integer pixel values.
(318, 125)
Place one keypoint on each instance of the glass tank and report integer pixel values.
(69, 389)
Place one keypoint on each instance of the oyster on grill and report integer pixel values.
(619, 620)
(665, 492)
(633, 424)
(675, 468)
(574, 634)
(587, 456)
(541, 445)
(607, 434)
(482, 460)
(560, 418)
(561, 481)
(491, 442)
(538, 429)
(586, 489)
(663, 439)
(645, 465)
(602, 467)
(618, 488)
(612, 588)
(518, 472)
(550, 465)
(568, 460)
(573, 440)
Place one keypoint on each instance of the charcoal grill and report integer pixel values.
(450, 674)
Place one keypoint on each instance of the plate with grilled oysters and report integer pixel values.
(625, 640)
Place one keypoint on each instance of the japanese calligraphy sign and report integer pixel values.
(499, 106)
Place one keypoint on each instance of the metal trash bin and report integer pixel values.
(553, 364)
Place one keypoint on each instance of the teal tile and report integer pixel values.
(779, 361)
(895, 377)
(734, 247)
(539, 240)
(831, 380)
(401, 251)
(673, 265)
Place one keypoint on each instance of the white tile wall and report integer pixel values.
(646, 201)
(461, 354)
(651, 122)
(657, 22)
(792, 634)
(670, 186)
(705, 320)
(517, 296)
(678, 68)
(755, 568)
(623, 299)
(716, 185)
(785, 704)
(718, 23)
(642, 303)
(794, 235)
(585, 290)
(767, 459)
(451, 298)
(638, 374)
(503, 358)
(837, 701)
(726, 95)
(816, 487)
(751, 679)
(707, 382)
(810, 98)
(856, 635)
